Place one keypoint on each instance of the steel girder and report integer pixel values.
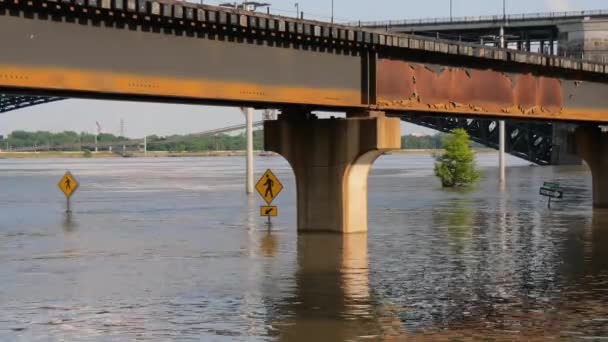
(10, 102)
(532, 141)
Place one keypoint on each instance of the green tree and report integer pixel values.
(456, 167)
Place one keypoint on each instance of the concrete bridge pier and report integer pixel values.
(592, 145)
(331, 159)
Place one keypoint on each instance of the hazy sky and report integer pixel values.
(162, 119)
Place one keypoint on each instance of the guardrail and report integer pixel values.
(490, 18)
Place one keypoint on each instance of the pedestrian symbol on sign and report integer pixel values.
(269, 186)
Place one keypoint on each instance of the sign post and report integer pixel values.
(68, 185)
(269, 188)
(551, 190)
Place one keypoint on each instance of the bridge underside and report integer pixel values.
(532, 141)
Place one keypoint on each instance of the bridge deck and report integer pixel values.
(181, 52)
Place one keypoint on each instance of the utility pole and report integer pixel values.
(451, 11)
(501, 123)
(145, 145)
(98, 132)
(122, 134)
(249, 119)
(249, 186)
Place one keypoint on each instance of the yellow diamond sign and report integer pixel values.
(269, 186)
(68, 184)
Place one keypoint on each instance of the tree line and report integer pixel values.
(73, 141)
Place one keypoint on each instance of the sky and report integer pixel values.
(164, 119)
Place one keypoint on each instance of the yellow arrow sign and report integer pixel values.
(68, 184)
(269, 186)
(269, 211)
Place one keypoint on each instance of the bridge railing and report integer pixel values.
(474, 19)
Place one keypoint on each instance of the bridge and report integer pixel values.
(575, 34)
(115, 49)
(578, 34)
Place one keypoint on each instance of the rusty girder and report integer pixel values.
(407, 86)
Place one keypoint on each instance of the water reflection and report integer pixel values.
(69, 224)
(269, 244)
(332, 295)
(457, 220)
(142, 262)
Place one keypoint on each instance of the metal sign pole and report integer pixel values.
(68, 211)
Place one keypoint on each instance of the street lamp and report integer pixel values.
(332, 11)
(297, 5)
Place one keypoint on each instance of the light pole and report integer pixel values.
(501, 123)
(332, 11)
(297, 6)
(451, 10)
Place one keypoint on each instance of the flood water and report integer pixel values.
(172, 249)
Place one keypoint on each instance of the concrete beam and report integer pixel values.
(585, 39)
(592, 144)
(331, 160)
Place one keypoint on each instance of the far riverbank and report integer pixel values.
(166, 154)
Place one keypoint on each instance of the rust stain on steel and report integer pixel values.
(409, 86)
(52, 78)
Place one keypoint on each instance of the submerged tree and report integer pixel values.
(456, 166)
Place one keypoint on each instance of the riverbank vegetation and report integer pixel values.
(72, 141)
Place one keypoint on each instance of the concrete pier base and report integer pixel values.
(564, 146)
(331, 160)
(592, 146)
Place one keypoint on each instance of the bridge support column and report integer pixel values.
(564, 146)
(592, 145)
(331, 159)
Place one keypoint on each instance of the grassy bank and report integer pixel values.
(150, 154)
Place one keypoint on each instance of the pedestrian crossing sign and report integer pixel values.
(68, 184)
(269, 186)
